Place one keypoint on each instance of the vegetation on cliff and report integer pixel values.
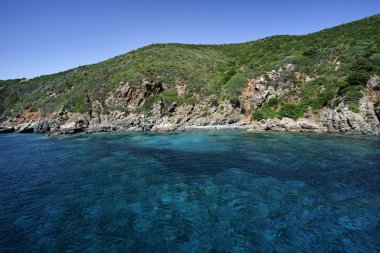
(338, 61)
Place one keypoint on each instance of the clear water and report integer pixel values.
(190, 192)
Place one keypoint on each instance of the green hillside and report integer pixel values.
(218, 72)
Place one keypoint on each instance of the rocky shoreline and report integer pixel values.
(184, 118)
(274, 125)
(161, 117)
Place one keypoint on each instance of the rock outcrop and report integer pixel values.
(366, 121)
(41, 127)
(25, 127)
(288, 125)
(270, 84)
(6, 129)
(132, 97)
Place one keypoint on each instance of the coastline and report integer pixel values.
(255, 127)
(200, 116)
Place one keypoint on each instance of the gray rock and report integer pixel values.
(309, 125)
(166, 127)
(341, 119)
(374, 83)
(25, 128)
(6, 129)
(133, 96)
(173, 107)
(54, 126)
(41, 127)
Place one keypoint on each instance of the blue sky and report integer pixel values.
(45, 36)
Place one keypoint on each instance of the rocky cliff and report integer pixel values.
(160, 117)
(323, 82)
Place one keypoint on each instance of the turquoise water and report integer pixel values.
(221, 191)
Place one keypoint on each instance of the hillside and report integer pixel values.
(328, 77)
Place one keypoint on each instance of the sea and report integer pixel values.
(195, 191)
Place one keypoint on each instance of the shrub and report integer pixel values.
(358, 78)
(291, 77)
(151, 101)
(353, 108)
(311, 51)
(234, 87)
(170, 95)
(226, 76)
(264, 112)
(362, 64)
(353, 95)
(273, 101)
(322, 100)
(292, 110)
(319, 92)
(188, 99)
(258, 115)
(80, 108)
(375, 59)
(290, 60)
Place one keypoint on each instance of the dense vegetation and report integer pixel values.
(219, 72)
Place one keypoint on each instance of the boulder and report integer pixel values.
(54, 126)
(68, 126)
(25, 128)
(165, 127)
(289, 124)
(72, 127)
(308, 125)
(6, 129)
(41, 127)
(374, 83)
(101, 128)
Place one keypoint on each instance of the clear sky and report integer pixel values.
(47, 36)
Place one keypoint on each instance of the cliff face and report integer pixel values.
(366, 121)
(160, 117)
(322, 82)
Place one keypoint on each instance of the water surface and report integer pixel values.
(207, 191)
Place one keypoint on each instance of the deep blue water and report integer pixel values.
(209, 191)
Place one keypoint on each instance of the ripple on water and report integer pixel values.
(190, 192)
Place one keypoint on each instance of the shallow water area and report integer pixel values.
(196, 191)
